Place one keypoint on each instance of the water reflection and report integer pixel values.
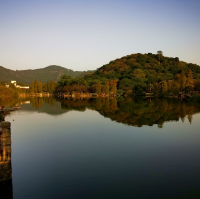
(134, 112)
(83, 155)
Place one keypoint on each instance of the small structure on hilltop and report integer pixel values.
(18, 86)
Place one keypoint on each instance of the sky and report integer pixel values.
(85, 35)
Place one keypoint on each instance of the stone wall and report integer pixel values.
(5, 152)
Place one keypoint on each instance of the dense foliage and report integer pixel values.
(39, 87)
(8, 92)
(82, 85)
(138, 73)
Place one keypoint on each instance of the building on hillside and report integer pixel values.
(18, 86)
(14, 82)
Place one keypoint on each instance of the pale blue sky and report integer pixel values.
(84, 35)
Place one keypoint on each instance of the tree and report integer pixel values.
(113, 87)
(45, 87)
(177, 78)
(164, 88)
(127, 85)
(40, 87)
(107, 87)
(197, 85)
(48, 86)
(182, 80)
(175, 87)
(170, 85)
(32, 87)
(190, 81)
(52, 86)
(138, 73)
(160, 53)
(36, 86)
(156, 88)
(120, 92)
(98, 88)
(65, 80)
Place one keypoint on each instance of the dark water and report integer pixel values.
(105, 148)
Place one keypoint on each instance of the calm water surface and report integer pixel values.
(104, 148)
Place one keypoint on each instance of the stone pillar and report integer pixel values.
(5, 152)
(5, 161)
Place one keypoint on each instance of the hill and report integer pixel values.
(153, 67)
(136, 74)
(143, 70)
(43, 75)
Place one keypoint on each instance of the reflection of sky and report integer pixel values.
(35, 34)
(75, 120)
(85, 151)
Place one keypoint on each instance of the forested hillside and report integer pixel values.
(137, 73)
(147, 68)
(43, 75)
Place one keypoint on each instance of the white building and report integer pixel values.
(14, 82)
(18, 86)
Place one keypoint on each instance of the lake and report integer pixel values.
(105, 148)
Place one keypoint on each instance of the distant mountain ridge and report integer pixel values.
(52, 72)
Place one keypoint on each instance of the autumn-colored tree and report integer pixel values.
(107, 87)
(48, 86)
(113, 87)
(32, 87)
(135, 71)
(40, 87)
(177, 77)
(36, 86)
(190, 81)
(176, 87)
(170, 85)
(138, 73)
(164, 87)
(182, 80)
(98, 88)
(45, 87)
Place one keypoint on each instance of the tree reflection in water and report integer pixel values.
(136, 112)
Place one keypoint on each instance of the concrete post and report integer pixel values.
(5, 152)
